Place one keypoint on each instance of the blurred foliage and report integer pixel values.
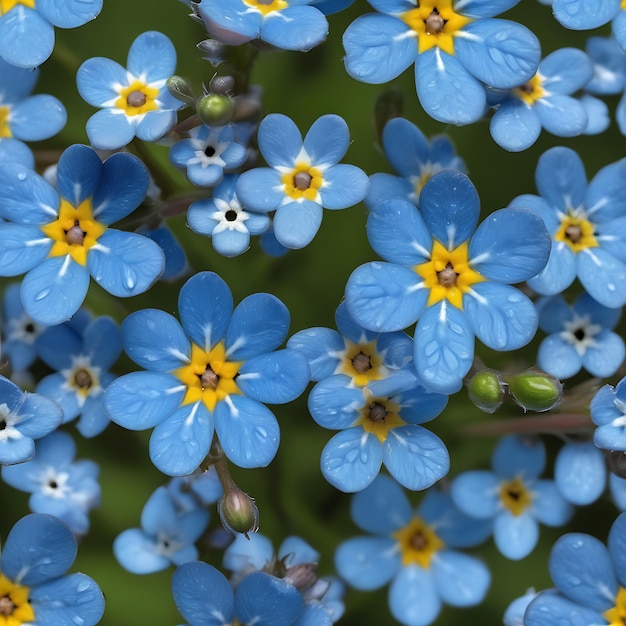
(292, 496)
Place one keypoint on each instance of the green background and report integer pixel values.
(292, 496)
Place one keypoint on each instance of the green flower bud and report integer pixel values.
(486, 391)
(238, 512)
(181, 89)
(215, 110)
(535, 390)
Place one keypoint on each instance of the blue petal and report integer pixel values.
(559, 272)
(205, 306)
(515, 126)
(26, 37)
(152, 57)
(279, 141)
(554, 313)
(540, 207)
(475, 493)
(327, 141)
(603, 276)
(615, 544)
(387, 187)
(260, 189)
(378, 48)
(558, 357)
(141, 400)
(97, 80)
(182, 440)
(444, 348)
(320, 346)
(109, 131)
(38, 548)
(605, 357)
(296, 223)
(562, 116)
(78, 173)
(585, 14)
(611, 236)
(566, 70)
(351, 459)
(55, 387)
(334, 403)
(344, 186)
(561, 179)
(25, 197)
(38, 416)
(156, 124)
(515, 536)
(247, 430)
(480, 8)
(16, 83)
(549, 505)
(384, 296)
(413, 598)
(450, 206)
(446, 90)
(259, 324)
(367, 563)
(22, 248)
(17, 450)
(295, 28)
(102, 342)
(606, 196)
(460, 579)
(137, 552)
(38, 117)
(15, 150)
(69, 13)
(155, 340)
(415, 457)
(53, 291)
(551, 608)
(519, 457)
(245, 553)
(276, 377)
(500, 53)
(406, 147)
(501, 316)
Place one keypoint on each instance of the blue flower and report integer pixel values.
(82, 362)
(579, 336)
(414, 158)
(24, 417)
(456, 47)
(58, 484)
(580, 472)
(175, 257)
(303, 176)
(545, 101)
(514, 614)
(260, 598)
(452, 277)
(286, 24)
(200, 488)
(207, 153)
(513, 496)
(60, 238)
(586, 224)
(22, 116)
(27, 27)
(133, 101)
(35, 557)
(212, 374)
(415, 551)
(608, 412)
(166, 537)
(589, 580)
(225, 220)
(16, 151)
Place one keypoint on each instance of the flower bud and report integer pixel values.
(535, 390)
(616, 462)
(215, 109)
(238, 512)
(181, 89)
(221, 85)
(486, 391)
(213, 51)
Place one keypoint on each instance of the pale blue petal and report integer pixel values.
(559, 272)
(260, 189)
(247, 430)
(18, 253)
(460, 579)
(38, 117)
(387, 187)
(554, 313)
(598, 117)
(156, 124)
(296, 223)
(26, 37)
(384, 296)
(540, 207)
(566, 70)
(344, 185)
(78, 173)
(26, 197)
(551, 608)
(444, 348)
(480, 8)
(615, 544)
(611, 236)
(110, 131)
(523, 457)
(515, 126)
(17, 450)
(334, 403)
(38, 416)
(605, 357)
(279, 141)
(549, 506)
(561, 179)
(97, 79)
(562, 116)
(152, 57)
(603, 276)
(585, 14)
(327, 141)
(54, 387)
(580, 472)
(321, 346)
(476, 493)
(243, 553)
(515, 536)
(69, 13)
(558, 357)
(606, 196)
(619, 28)
(413, 598)
(295, 28)
(137, 552)
(367, 563)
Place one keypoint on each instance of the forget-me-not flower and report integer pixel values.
(453, 278)
(608, 413)
(416, 552)
(414, 158)
(60, 237)
(580, 336)
(133, 101)
(27, 27)
(303, 177)
(211, 374)
(586, 224)
(580, 472)
(513, 495)
(457, 47)
(35, 557)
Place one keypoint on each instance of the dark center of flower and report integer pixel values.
(361, 363)
(75, 235)
(209, 151)
(513, 493)
(579, 333)
(419, 542)
(3, 423)
(573, 233)
(527, 87)
(302, 181)
(434, 23)
(6, 606)
(209, 379)
(53, 484)
(447, 276)
(136, 98)
(83, 379)
(377, 413)
(265, 1)
(230, 215)
(29, 328)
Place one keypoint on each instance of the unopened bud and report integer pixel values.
(535, 390)
(181, 89)
(616, 461)
(215, 110)
(213, 51)
(303, 576)
(486, 391)
(221, 85)
(238, 512)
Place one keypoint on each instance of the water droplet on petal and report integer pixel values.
(44, 293)
(21, 176)
(130, 278)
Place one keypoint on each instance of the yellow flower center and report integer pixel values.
(267, 6)
(448, 274)
(83, 378)
(577, 233)
(379, 416)
(302, 182)
(418, 543)
(75, 231)
(5, 129)
(137, 98)
(530, 91)
(6, 6)
(435, 23)
(515, 496)
(209, 376)
(617, 615)
(14, 606)
(362, 363)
